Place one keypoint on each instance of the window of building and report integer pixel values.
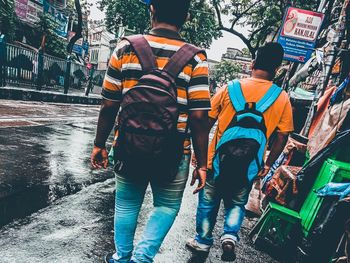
(94, 53)
(97, 36)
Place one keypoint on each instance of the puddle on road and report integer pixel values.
(32, 199)
(42, 164)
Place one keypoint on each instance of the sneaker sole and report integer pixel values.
(228, 256)
(193, 250)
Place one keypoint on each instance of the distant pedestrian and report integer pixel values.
(247, 111)
(160, 83)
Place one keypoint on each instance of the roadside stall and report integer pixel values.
(307, 202)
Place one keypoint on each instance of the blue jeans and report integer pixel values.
(129, 198)
(207, 211)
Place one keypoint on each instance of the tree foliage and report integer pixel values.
(54, 45)
(245, 52)
(226, 71)
(200, 30)
(132, 14)
(262, 18)
(8, 18)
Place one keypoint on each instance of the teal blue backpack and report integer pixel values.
(239, 153)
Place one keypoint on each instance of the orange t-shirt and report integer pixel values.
(279, 116)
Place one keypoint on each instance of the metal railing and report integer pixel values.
(23, 67)
(53, 71)
(79, 74)
(99, 77)
(20, 64)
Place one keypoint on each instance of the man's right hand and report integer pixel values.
(99, 158)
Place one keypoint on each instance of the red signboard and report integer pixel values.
(302, 24)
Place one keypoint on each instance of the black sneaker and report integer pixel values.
(228, 251)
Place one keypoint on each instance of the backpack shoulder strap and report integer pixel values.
(236, 96)
(269, 98)
(143, 52)
(180, 59)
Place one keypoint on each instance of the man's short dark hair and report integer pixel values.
(173, 12)
(269, 57)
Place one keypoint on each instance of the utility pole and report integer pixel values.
(2, 60)
(40, 64)
(78, 35)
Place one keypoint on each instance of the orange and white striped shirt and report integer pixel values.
(125, 70)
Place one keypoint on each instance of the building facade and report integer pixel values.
(99, 45)
(238, 57)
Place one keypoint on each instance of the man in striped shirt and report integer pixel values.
(124, 71)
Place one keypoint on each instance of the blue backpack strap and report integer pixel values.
(270, 97)
(236, 96)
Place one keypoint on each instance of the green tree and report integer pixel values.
(246, 52)
(226, 71)
(8, 18)
(51, 42)
(200, 30)
(263, 18)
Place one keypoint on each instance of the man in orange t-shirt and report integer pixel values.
(278, 117)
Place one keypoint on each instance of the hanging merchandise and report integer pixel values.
(322, 107)
(329, 61)
(338, 94)
(328, 127)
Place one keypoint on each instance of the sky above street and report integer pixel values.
(217, 48)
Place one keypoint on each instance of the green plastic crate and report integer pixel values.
(331, 171)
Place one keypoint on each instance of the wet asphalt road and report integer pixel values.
(54, 208)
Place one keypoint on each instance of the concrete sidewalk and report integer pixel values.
(26, 94)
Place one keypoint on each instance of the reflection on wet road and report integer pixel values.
(42, 163)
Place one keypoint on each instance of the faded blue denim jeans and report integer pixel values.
(207, 211)
(129, 198)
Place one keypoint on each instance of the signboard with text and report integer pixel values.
(21, 8)
(78, 46)
(298, 34)
(60, 19)
(34, 12)
(28, 10)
